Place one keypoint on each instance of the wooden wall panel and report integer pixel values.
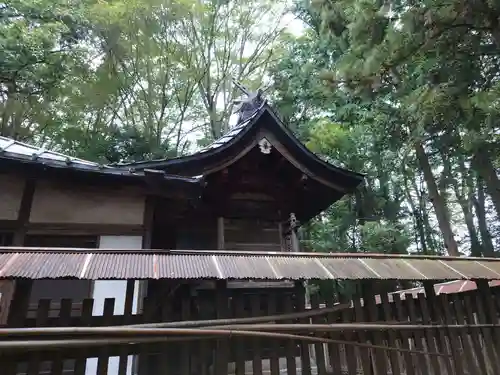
(86, 205)
(11, 192)
(251, 235)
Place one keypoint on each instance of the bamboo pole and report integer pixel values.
(30, 345)
(256, 319)
(9, 333)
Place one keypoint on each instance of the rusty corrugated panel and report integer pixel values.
(298, 268)
(347, 268)
(494, 266)
(117, 266)
(4, 262)
(184, 267)
(247, 267)
(393, 268)
(268, 266)
(472, 269)
(43, 265)
(434, 269)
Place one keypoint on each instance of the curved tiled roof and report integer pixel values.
(24, 153)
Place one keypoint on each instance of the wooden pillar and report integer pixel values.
(293, 233)
(14, 302)
(148, 222)
(220, 233)
(147, 239)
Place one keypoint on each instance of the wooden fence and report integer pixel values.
(456, 334)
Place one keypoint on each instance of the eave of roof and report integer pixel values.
(224, 142)
(12, 151)
(230, 139)
(93, 264)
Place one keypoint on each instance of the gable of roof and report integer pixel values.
(233, 142)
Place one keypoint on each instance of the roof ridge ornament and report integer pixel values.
(247, 106)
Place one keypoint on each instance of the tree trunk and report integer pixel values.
(432, 246)
(479, 205)
(437, 202)
(481, 162)
(476, 248)
(417, 215)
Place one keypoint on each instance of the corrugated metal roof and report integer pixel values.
(95, 264)
(22, 152)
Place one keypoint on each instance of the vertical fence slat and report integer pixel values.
(148, 312)
(240, 342)
(409, 359)
(206, 357)
(318, 347)
(392, 337)
(365, 353)
(64, 320)
(486, 298)
(349, 350)
(185, 345)
(475, 335)
(437, 317)
(369, 293)
(422, 363)
(300, 301)
(221, 354)
(103, 359)
(488, 340)
(333, 349)
(166, 316)
(291, 345)
(42, 315)
(473, 366)
(16, 314)
(430, 336)
(274, 358)
(86, 318)
(127, 312)
(460, 358)
(255, 301)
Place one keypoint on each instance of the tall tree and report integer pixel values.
(130, 79)
(436, 63)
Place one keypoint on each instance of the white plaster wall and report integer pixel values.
(113, 289)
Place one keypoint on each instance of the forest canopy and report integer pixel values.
(407, 92)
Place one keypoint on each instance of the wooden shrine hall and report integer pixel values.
(193, 265)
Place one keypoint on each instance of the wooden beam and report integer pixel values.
(220, 233)
(24, 212)
(85, 228)
(9, 225)
(281, 149)
(148, 222)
